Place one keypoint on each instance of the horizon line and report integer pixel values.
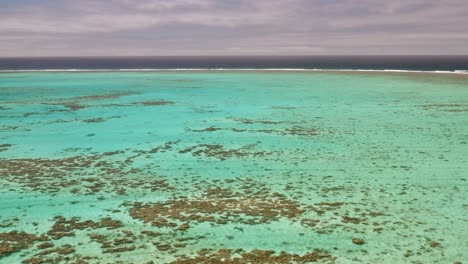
(234, 56)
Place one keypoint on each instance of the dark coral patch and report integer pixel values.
(221, 153)
(63, 227)
(228, 256)
(446, 107)
(4, 147)
(217, 206)
(154, 103)
(15, 241)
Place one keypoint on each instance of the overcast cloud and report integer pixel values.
(232, 27)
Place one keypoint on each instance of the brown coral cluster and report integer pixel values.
(63, 227)
(228, 256)
(89, 174)
(217, 208)
(219, 152)
(14, 241)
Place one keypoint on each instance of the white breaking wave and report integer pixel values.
(234, 69)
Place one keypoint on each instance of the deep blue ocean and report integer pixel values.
(411, 63)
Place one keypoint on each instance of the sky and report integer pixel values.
(232, 27)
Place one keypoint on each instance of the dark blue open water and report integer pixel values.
(419, 63)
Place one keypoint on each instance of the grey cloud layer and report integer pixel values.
(231, 27)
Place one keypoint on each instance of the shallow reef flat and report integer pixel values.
(233, 167)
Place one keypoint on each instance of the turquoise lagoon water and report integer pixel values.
(212, 167)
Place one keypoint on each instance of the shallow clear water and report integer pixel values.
(177, 166)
